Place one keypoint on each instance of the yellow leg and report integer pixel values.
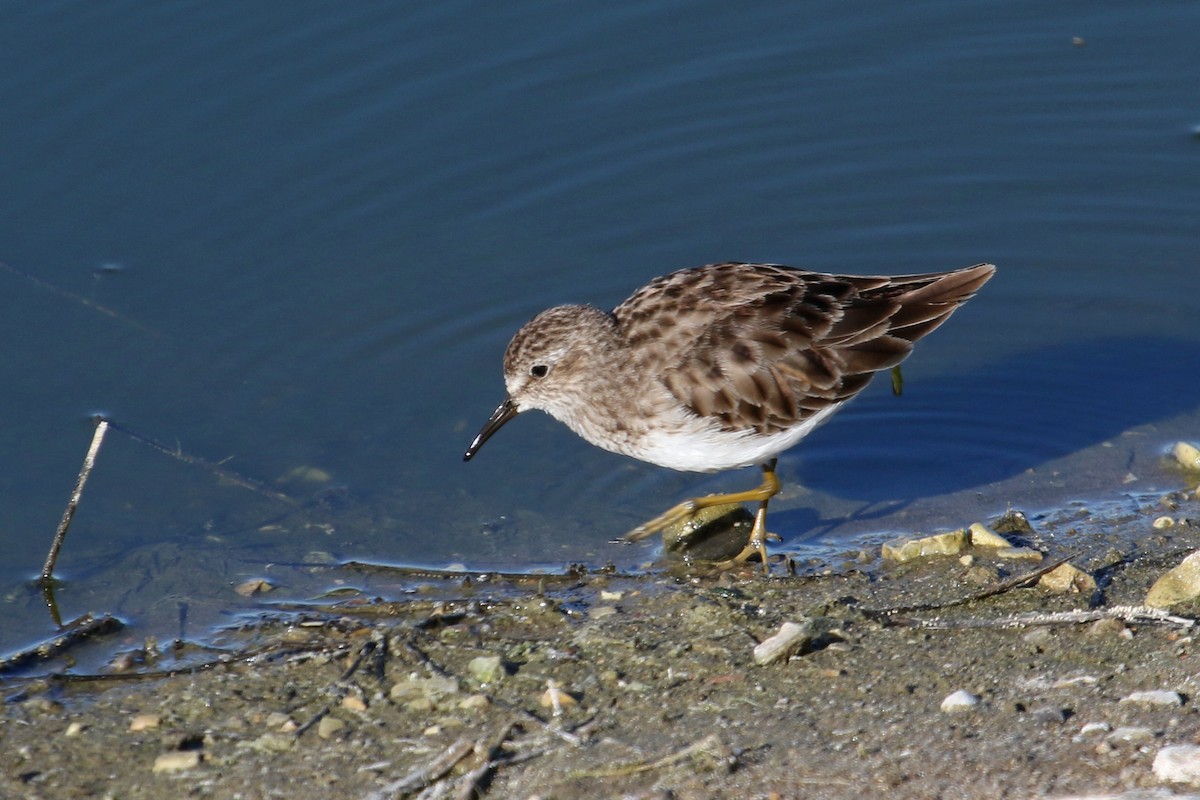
(758, 534)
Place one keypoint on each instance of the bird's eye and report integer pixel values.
(539, 370)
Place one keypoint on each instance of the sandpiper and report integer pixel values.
(722, 366)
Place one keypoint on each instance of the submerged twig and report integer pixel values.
(216, 469)
(92, 304)
(73, 633)
(60, 535)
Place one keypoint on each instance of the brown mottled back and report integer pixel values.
(762, 347)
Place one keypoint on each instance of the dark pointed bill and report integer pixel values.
(503, 413)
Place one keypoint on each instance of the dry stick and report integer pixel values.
(487, 753)
(89, 461)
(1134, 615)
(424, 775)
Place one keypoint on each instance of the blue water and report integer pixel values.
(294, 235)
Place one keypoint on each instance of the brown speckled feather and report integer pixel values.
(763, 347)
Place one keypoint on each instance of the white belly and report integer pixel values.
(706, 448)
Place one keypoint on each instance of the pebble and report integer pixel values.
(1156, 697)
(272, 743)
(177, 761)
(904, 549)
(1178, 585)
(600, 612)
(428, 689)
(1092, 728)
(983, 536)
(957, 702)
(715, 533)
(1162, 523)
(486, 669)
(1067, 578)
(353, 702)
(254, 586)
(1187, 454)
(75, 729)
(475, 701)
(1178, 763)
(144, 722)
(329, 727)
(790, 637)
(1049, 714)
(1131, 735)
(1019, 552)
(277, 719)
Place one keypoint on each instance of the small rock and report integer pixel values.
(1131, 735)
(1107, 627)
(790, 637)
(253, 587)
(353, 702)
(960, 701)
(1019, 552)
(715, 533)
(475, 701)
(600, 612)
(428, 689)
(1187, 454)
(273, 743)
(1038, 637)
(75, 729)
(1178, 585)
(1014, 522)
(983, 536)
(1156, 697)
(1049, 714)
(329, 726)
(1093, 728)
(486, 669)
(1067, 578)
(144, 722)
(177, 761)
(277, 719)
(1162, 523)
(904, 549)
(611, 596)
(1178, 763)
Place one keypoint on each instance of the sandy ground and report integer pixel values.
(647, 686)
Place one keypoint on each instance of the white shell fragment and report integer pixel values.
(790, 637)
(957, 702)
(1155, 697)
(1178, 763)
